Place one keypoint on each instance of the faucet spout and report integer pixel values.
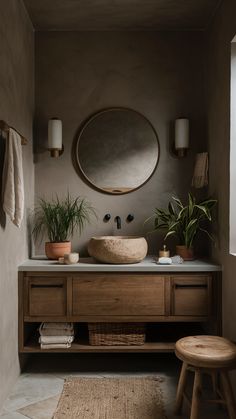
(118, 222)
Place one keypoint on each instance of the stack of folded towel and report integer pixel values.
(56, 335)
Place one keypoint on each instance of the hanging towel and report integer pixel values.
(200, 174)
(13, 185)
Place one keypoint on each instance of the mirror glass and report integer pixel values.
(117, 150)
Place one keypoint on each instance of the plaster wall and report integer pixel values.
(16, 107)
(218, 63)
(159, 74)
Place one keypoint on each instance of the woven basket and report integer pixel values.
(116, 333)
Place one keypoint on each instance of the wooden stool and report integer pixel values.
(206, 354)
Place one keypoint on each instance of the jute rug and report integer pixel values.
(111, 398)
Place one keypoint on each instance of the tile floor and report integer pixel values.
(37, 390)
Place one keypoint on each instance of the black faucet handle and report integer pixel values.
(107, 217)
(130, 218)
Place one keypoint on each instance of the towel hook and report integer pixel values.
(5, 127)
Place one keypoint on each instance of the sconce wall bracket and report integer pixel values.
(56, 152)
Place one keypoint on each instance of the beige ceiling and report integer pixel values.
(121, 14)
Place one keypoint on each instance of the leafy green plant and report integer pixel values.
(184, 221)
(60, 218)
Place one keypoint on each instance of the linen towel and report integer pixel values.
(56, 325)
(13, 184)
(56, 339)
(55, 345)
(56, 329)
(200, 174)
(56, 332)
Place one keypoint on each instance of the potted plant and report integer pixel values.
(184, 222)
(58, 219)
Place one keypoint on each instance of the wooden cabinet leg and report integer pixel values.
(180, 388)
(228, 393)
(197, 390)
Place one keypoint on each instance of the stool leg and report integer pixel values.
(180, 389)
(197, 389)
(228, 393)
(216, 387)
(214, 382)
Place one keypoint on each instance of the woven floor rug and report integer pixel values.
(111, 398)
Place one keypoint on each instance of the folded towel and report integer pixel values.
(52, 329)
(55, 325)
(56, 339)
(200, 174)
(55, 345)
(13, 185)
(56, 332)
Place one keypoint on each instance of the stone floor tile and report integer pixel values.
(12, 415)
(41, 410)
(31, 388)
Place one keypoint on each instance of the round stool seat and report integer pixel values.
(206, 351)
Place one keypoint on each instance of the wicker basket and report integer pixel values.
(116, 333)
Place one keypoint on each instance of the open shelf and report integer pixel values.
(159, 338)
(83, 346)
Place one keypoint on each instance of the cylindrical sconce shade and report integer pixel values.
(55, 136)
(181, 134)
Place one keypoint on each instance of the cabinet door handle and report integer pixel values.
(185, 286)
(46, 286)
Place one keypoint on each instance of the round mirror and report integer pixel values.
(117, 150)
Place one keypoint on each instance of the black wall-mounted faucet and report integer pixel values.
(118, 222)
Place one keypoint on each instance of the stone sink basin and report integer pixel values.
(118, 249)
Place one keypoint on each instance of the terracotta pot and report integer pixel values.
(185, 252)
(57, 250)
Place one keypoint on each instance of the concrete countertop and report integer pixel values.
(90, 265)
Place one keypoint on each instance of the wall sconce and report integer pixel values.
(55, 145)
(181, 143)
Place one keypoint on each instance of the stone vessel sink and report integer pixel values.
(118, 249)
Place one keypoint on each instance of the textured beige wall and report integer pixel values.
(219, 37)
(16, 107)
(158, 74)
(92, 15)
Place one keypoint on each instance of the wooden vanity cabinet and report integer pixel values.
(46, 296)
(191, 295)
(153, 298)
(118, 295)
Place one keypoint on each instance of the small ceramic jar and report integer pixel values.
(70, 258)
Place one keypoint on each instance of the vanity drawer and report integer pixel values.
(118, 295)
(191, 295)
(47, 296)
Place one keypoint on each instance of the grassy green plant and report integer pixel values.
(58, 219)
(184, 221)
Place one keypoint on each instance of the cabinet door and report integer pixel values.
(47, 296)
(191, 295)
(118, 294)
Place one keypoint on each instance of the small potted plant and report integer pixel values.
(58, 219)
(184, 222)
